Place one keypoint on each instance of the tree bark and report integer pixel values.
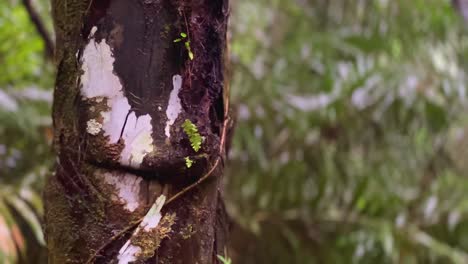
(131, 75)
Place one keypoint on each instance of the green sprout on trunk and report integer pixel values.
(225, 260)
(184, 36)
(189, 162)
(194, 136)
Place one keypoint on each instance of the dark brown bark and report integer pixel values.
(87, 219)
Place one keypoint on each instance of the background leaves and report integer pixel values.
(351, 138)
(346, 119)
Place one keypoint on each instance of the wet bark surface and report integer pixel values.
(124, 89)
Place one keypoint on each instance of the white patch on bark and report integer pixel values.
(127, 187)
(114, 119)
(152, 218)
(93, 31)
(99, 81)
(173, 107)
(93, 127)
(138, 140)
(129, 252)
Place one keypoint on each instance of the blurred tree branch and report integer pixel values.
(40, 27)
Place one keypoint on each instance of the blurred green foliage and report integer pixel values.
(25, 132)
(351, 118)
(351, 135)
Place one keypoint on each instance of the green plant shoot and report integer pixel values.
(194, 136)
(224, 260)
(189, 162)
(184, 36)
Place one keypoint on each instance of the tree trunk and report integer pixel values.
(140, 123)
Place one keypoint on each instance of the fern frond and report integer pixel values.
(194, 136)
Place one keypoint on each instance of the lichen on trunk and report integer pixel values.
(122, 190)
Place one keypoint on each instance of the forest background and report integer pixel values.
(351, 140)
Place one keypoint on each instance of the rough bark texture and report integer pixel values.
(124, 88)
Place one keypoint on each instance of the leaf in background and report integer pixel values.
(8, 251)
(28, 215)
